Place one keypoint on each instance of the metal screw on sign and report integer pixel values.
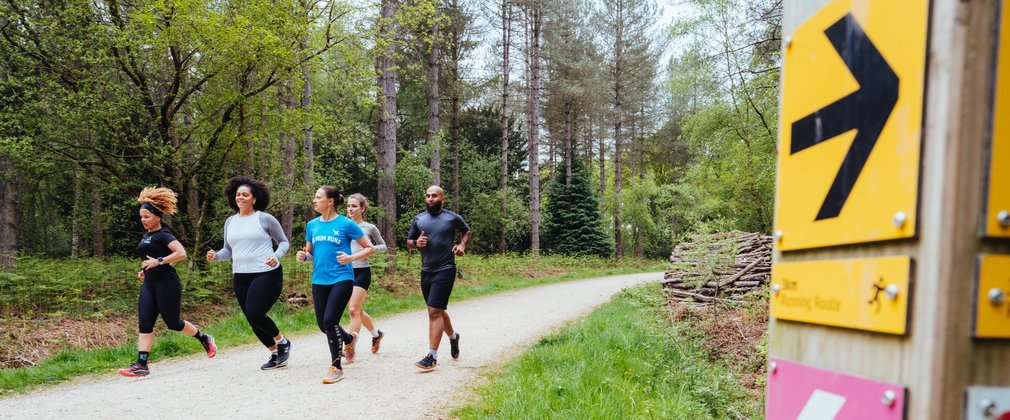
(1004, 218)
(988, 407)
(777, 235)
(888, 398)
(996, 296)
(775, 289)
(899, 219)
(772, 367)
(891, 291)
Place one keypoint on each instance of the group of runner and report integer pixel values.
(338, 247)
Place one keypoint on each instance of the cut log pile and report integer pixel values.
(721, 266)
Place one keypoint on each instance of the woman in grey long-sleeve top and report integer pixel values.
(258, 276)
(357, 205)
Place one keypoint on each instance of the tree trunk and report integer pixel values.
(97, 227)
(433, 98)
(534, 144)
(287, 101)
(386, 139)
(11, 179)
(603, 161)
(569, 109)
(75, 213)
(457, 30)
(506, 26)
(618, 120)
(308, 169)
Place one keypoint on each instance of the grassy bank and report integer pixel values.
(389, 294)
(625, 360)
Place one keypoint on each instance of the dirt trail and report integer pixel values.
(384, 385)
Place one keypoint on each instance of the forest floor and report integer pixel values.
(492, 328)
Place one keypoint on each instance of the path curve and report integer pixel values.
(384, 385)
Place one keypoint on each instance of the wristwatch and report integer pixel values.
(161, 261)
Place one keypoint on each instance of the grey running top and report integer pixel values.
(248, 242)
(373, 235)
(441, 232)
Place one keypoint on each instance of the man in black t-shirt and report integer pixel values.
(433, 233)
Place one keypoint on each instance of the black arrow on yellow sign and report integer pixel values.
(865, 110)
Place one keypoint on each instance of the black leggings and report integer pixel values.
(330, 301)
(256, 294)
(160, 295)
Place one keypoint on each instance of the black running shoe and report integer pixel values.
(454, 347)
(427, 363)
(283, 352)
(136, 369)
(376, 341)
(272, 363)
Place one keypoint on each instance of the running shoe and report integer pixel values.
(210, 346)
(349, 349)
(283, 352)
(427, 363)
(376, 341)
(333, 376)
(136, 369)
(454, 347)
(272, 363)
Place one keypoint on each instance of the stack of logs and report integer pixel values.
(690, 277)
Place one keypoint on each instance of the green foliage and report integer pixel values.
(573, 224)
(725, 98)
(622, 361)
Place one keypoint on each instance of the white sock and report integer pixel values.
(433, 353)
(375, 333)
(284, 340)
(454, 335)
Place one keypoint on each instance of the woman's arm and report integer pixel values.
(178, 254)
(376, 238)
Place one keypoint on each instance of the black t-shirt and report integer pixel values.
(155, 244)
(441, 232)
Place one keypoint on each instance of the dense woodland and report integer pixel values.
(568, 126)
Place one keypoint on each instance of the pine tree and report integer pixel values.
(574, 225)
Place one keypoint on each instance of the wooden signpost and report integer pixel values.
(891, 280)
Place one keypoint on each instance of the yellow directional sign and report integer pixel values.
(997, 218)
(866, 294)
(852, 100)
(992, 308)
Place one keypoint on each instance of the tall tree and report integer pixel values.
(507, 16)
(535, 15)
(626, 26)
(386, 139)
(434, 51)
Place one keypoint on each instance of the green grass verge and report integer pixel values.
(625, 360)
(483, 276)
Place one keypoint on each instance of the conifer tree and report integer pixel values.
(574, 224)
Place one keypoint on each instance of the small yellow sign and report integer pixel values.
(997, 218)
(865, 294)
(852, 100)
(992, 309)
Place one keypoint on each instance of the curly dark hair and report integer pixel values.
(258, 189)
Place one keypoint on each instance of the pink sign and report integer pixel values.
(802, 392)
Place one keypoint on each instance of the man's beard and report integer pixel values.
(435, 208)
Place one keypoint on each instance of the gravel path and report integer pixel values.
(384, 385)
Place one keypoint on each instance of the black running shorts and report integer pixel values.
(363, 277)
(436, 287)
